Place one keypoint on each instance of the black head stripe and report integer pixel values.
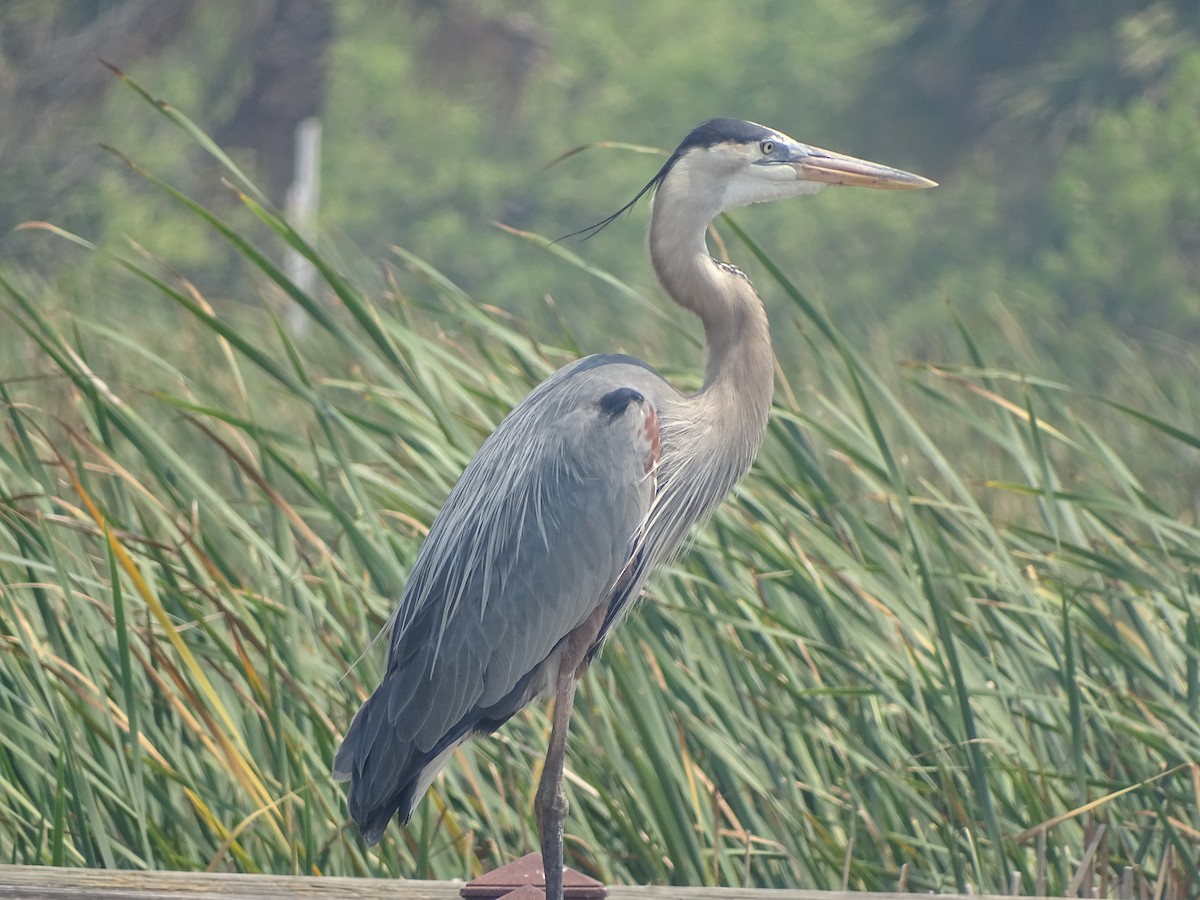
(721, 131)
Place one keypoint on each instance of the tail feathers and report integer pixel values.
(376, 822)
(387, 775)
(387, 771)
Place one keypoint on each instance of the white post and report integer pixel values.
(303, 199)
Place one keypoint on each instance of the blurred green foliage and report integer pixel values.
(1067, 185)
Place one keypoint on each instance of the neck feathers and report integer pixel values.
(710, 438)
(735, 323)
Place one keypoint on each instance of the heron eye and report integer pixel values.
(766, 147)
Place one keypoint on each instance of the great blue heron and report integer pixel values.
(585, 488)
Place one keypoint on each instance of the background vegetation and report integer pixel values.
(946, 635)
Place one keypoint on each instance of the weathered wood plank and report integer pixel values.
(65, 883)
(48, 883)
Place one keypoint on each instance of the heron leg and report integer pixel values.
(551, 801)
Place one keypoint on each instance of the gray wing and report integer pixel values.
(534, 537)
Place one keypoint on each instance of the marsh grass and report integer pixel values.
(943, 636)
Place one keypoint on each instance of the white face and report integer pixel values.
(763, 171)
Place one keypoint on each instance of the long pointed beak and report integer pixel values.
(827, 167)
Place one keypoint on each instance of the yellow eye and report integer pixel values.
(766, 147)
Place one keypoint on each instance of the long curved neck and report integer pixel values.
(739, 374)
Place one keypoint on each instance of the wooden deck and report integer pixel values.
(48, 883)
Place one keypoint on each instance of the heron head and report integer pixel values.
(727, 163)
(735, 163)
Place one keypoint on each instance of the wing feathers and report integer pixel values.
(535, 535)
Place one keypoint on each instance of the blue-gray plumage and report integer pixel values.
(586, 487)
